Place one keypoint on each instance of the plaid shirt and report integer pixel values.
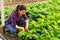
(14, 17)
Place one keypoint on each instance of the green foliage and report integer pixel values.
(44, 21)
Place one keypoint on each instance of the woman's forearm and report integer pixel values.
(20, 28)
(27, 23)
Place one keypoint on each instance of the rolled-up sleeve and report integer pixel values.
(26, 18)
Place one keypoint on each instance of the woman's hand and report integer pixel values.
(26, 29)
(20, 28)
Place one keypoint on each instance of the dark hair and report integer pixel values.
(20, 7)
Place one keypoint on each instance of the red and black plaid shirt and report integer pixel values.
(14, 17)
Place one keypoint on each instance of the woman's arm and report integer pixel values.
(26, 28)
(20, 28)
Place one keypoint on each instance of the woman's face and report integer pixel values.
(22, 12)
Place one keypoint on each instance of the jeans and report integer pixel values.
(10, 27)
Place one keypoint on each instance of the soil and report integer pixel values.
(7, 36)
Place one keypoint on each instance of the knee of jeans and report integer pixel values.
(13, 31)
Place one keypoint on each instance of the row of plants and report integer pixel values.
(44, 21)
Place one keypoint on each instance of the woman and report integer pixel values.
(18, 20)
